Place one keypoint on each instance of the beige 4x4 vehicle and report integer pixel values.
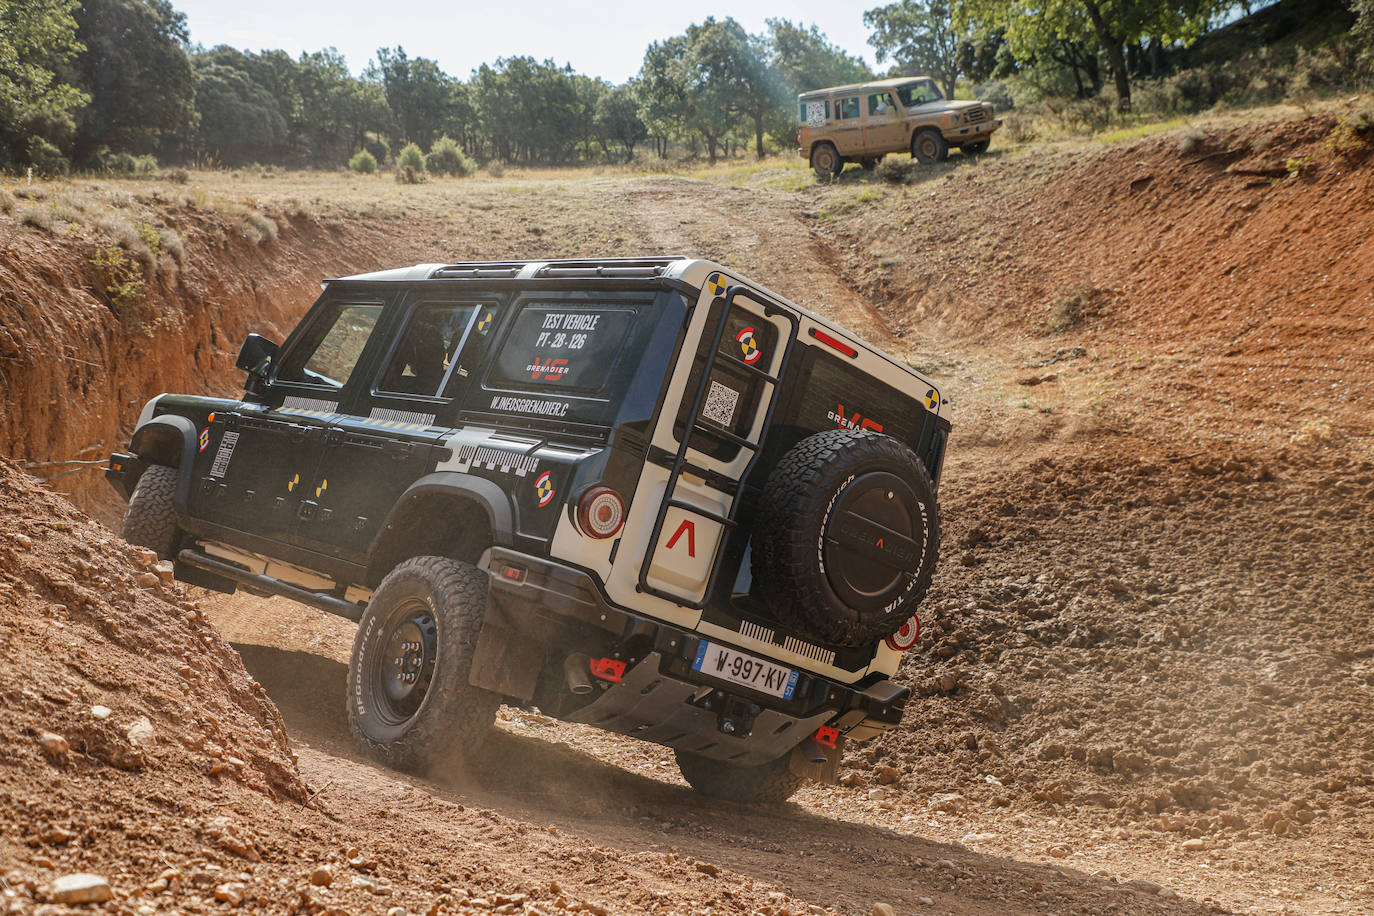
(864, 122)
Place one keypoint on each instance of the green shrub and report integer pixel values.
(893, 169)
(363, 162)
(447, 158)
(47, 159)
(128, 164)
(411, 157)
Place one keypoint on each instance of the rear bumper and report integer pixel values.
(661, 698)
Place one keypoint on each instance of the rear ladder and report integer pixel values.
(695, 426)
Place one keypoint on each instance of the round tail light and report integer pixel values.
(907, 636)
(601, 512)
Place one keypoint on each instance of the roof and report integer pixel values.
(873, 84)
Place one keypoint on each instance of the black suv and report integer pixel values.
(643, 494)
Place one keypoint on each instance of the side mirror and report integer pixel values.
(255, 354)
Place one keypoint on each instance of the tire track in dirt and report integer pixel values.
(761, 234)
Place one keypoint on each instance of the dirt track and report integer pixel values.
(1150, 626)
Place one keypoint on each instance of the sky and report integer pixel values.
(605, 38)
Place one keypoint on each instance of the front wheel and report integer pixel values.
(929, 146)
(770, 783)
(410, 705)
(151, 519)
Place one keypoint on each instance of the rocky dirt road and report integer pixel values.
(1147, 665)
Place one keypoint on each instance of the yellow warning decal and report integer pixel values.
(932, 399)
(716, 285)
(319, 491)
(291, 484)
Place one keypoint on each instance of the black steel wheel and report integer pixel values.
(410, 705)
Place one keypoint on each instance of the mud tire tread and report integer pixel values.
(151, 519)
(784, 560)
(454, 716)
(769, 783)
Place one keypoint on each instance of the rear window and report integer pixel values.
(847, 108)
(816, 113)
(562, 347)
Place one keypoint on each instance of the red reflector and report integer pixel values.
(907, 636)
(826, 736)
(608, 669)
(513, 573)
(829, 341)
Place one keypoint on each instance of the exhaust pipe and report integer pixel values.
(576, 668)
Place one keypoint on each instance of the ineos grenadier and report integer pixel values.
(866, 121)
(647, 494)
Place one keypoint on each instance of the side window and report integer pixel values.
(880, 104)
(425, 354)
(815, 114)
(331, 346)
(564, 347)
(473, 348)
(847, 108)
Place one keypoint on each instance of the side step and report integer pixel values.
(346, 609)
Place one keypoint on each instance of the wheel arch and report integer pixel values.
(168, 440)
(448, 514)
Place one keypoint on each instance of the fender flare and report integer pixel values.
(476, 491)
(167, 440)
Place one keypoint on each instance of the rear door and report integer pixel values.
(259, 476)
(848, 129)
(688, 489)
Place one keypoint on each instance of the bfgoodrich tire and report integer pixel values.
(150, 520)
(409, 702)
(847, 536)
(770, 783)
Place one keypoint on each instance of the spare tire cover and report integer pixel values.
(846, 537)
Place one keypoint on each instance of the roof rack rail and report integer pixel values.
(479, 270)
(608, 267)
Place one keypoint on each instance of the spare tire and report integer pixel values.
(846, 537)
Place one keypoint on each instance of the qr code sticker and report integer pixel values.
(815, 114)
(720, 404)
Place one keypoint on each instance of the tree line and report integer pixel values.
(92, 83)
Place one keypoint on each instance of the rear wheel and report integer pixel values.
(826, 161)
(929, 146)
(771, 783)
(151, 520)
(410, 705)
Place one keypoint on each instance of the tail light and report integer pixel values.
(907, 636)
(601, 512)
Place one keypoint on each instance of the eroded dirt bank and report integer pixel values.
(1146, 662)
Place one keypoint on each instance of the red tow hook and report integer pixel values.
(826, 736)
(609, 669)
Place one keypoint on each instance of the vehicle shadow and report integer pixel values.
(807, 854)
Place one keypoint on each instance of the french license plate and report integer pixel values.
(730, 665)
